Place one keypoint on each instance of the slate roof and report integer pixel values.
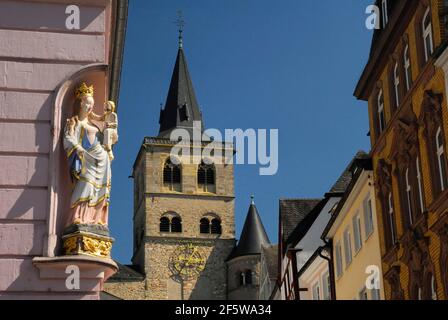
(304, 226)
(294, 211)
(345, 178)
(361, 161)
(126, 273)
(181, 107)
(253, 235)
(342, 183)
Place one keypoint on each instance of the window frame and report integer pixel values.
(396, 82)
(433, 288)
(348, 254)
(357, 232)
(408, 191)
(391, 215)
(440, 152)
(219, 225)
(174, 169)
(384, 13)
(248, 276)
(177, 218)
(427, 32)
(164, 218)
(206, 186)
(380, 111)
(326, 286)
(202, 225)
(368, 218)
(339, 264)
(420, 185)
(407, 67)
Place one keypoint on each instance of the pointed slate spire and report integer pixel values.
(253, 235)
(181, 107)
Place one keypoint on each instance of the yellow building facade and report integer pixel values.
(353, 232)
(405, 89)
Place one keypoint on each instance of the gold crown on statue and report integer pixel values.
(84, 90)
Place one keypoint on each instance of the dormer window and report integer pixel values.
(384, 13)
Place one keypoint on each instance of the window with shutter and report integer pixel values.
(338, 252)
(357, 232)
(368, 217)
(347, 248)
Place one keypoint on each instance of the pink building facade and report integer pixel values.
(41, 63)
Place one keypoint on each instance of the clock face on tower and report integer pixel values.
(186, 262)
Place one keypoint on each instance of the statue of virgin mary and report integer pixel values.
(90, 164)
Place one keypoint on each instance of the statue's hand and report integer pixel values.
(80, 151)
(70, 125)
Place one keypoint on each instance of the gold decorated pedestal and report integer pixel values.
(81, 242)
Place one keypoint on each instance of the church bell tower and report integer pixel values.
(183, 213)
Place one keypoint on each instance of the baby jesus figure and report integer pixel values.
(110, 134)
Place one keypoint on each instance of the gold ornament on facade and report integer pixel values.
(82, 243)
(186, 262)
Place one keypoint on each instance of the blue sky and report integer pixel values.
(290, 65)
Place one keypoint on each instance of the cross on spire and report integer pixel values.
(180, 22)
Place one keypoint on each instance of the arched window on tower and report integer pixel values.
(170, 222)
(210, 224)
(245, 278)
(242, 279)
(248, 277)
(216, 226)
(204, 226)
(206, 177)
(172, 176)
(176, 225)
(164, 224)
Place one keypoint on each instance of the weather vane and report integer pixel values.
(180, 22)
